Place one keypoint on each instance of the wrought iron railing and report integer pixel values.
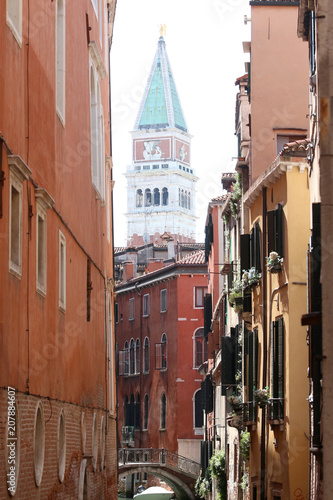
(250, 411)
(160, 457)
(275, 409)
(127, 433)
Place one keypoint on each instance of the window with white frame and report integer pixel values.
(161, 352)
(132, 357)
(146, 354)
(95, 5)
(62, 271)
(60, 59)
(163, 300)
(41, 250)
(200, 348)
(199, 294)
(15, 234)
(146, 304)
(131, 309)
(97, 133)
(14, 18)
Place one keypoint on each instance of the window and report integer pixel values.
(14, 18)
(116, 311)
(61, 447)
(146, 305)
(199, 294)
(251, 249)
(185, 199)
(62, 271)
(131, 309)
(123, 360)
(209, 237)
(96, 125)
(137, 356)
(165, 196)
(139, 197)
(251, 370)
(163, 300)
(198, 410)
(132, 357)
(189, 201)
(94, 2)
(156, 197)
(275, 230)
(208, 311)
(281, 140)
(43, 203)
(145, 411)
(137, 412)
(15, 235)
(163, 411)
(146, 355)
(111, 353)
(39, 446)
(102, 441)
(161, 354)
(200, 348)
(94, 442)
(147, 197)
(277, 369)
(60, 59)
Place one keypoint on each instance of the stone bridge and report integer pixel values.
(178, 472)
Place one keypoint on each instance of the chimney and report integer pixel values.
(128, 270)
(154, 264)
(167, 238)
(132, 256)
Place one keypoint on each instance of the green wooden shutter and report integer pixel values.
(207, 314)
(271, 231)
(280, 369)
(228, 368)
(245, 252)
(279, 230)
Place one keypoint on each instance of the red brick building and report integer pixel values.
(160, 340)
(57, 397)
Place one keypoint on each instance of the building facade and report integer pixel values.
(160, 180)
(58, 401)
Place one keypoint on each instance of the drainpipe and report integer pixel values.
(265, 354)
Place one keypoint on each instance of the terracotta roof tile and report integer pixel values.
(193, 258)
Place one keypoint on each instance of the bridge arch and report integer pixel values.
(182, 490)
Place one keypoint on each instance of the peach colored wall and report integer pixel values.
(279, 97)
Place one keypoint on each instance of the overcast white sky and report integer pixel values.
(204, 44)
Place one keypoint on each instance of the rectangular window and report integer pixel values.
(161, 356)
(131, 309)
(41, 251)
(277, 370)
(146, 305)
(94, 2)
(14, 18)
(116, 311)
(275, 230)
(163, 300)
(15, 241)
(62, 271)
(199, 293)
(60, 59)
(251, 372)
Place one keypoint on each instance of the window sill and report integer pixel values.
(15, 270)
(41, 291)
(16, 35)
(162, 312)
(62, 308)
(145, 316)
(162, 429)
(60, 116)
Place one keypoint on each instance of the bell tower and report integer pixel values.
(160, 179)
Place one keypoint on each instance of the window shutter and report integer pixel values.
(245, 252)
(271, 231)
(207, 395)
(207, 314)
(315, 259)
(280, 348)
(257, 263)
(228, 363)
(279, 230)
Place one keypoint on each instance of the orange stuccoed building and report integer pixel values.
(57, 397)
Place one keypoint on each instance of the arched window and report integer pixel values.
(189, 200)
(182, 198)
(179, 198)
(164, 351)
(198, 410)
(200, 348)
(139, 197)
(147, 197)
(137, 412)
(157, 197)
(126, 410)
(163, 411)
(185, 199)
(165, 196)
(146, 355)
(132, 357)
(137, 356)
(126, 359)
(145, 411)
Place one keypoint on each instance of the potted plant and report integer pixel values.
(235, 402)
(250, 278)
(274, 262)
(235, 420)
(261, 396)
(235, 292)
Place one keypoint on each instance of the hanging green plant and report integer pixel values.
(244, 444)
(218, 469)
(236, 196)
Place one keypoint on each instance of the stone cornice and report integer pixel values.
(97, 59)
(42, 196)
(279, 166)
(18, 167)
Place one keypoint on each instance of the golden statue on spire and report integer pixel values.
(162, 29)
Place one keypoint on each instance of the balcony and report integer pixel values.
(128, 435)
(250, 413)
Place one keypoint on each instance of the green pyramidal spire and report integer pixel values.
(160, 106)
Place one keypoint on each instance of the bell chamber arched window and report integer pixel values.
(132, 357)
(157, 197)
(146, 355)
(147, 197)
(165, 196)
(139, 197)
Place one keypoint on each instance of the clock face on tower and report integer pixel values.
(146, 238)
